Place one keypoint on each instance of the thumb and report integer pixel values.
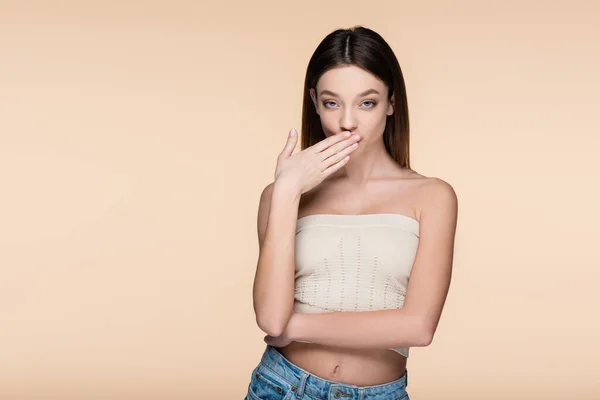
(292, 139)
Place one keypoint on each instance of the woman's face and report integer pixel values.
(348, 98)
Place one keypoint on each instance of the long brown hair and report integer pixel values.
(366, 49)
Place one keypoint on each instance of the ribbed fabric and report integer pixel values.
(356, 262)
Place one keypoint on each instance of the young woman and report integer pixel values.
(356, 248)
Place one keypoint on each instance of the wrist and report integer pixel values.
(286, 189)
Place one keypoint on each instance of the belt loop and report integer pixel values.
(301, 385)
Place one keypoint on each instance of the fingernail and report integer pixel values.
(293, 132)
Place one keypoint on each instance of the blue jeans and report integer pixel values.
(276, 378)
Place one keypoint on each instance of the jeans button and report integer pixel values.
(337, 394)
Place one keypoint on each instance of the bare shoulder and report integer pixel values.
(438, 187)
(428, 186)
(434, 193)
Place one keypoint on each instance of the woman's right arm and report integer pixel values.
(273, 290)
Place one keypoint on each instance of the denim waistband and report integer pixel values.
(320, 388)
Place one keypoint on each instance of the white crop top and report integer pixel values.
(353, 262)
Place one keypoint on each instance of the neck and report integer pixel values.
(369, 161)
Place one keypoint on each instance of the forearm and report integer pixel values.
(274, 282)
(382, 329)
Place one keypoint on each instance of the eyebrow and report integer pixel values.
(366, 92)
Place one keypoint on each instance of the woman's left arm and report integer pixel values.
(416, 322)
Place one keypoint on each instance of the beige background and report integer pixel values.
(135, 138)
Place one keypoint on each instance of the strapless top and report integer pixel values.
(353, 262)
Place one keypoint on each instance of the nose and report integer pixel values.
(348, 120)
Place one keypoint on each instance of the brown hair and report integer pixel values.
(366, 49)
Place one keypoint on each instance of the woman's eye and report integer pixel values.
(331, 104)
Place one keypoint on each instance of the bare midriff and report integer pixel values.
(348, 366)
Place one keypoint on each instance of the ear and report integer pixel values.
(313, 96)
(392, 105)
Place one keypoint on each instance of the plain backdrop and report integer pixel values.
(136, 138)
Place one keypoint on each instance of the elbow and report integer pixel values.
(425, 339)
(272, 326)
(423, 334)
(273, 321)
